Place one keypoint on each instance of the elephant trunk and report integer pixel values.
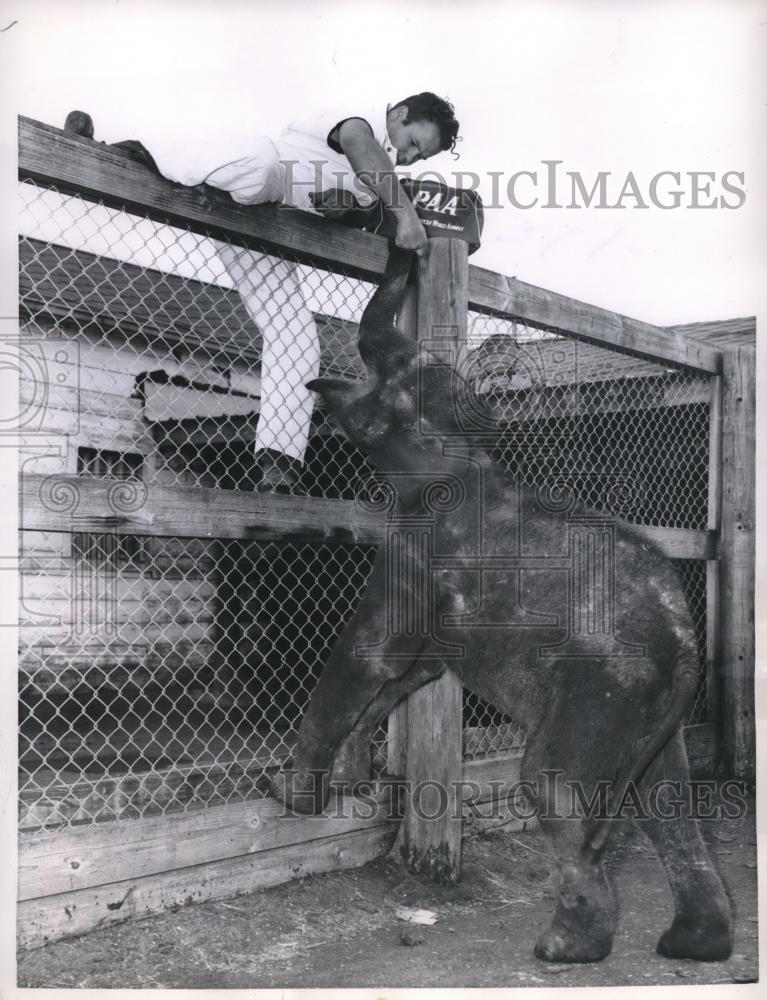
(377, 323)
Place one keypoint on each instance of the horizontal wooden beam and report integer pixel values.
(721, 332)
(581, 399)
(79, 503)
(73, 164)
(82, 857)
(49, 918)
(67, 798)
(679, 543)
(62, 860)
(296, 852)
(540, 307)
(494, 776)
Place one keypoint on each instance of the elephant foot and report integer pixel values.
(584, 923)
(352, 762)
(304, 792)
(705, 937)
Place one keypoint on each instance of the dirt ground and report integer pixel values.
(341, 930)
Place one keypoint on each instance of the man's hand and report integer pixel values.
(410, 234)
(375, 170)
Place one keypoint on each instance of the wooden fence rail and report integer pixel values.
(81, 166)
(60, 502)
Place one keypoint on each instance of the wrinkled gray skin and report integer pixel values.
(595, 709)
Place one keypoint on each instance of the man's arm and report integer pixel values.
(370, 161)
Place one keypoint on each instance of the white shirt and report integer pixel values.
(299, 162)
(310, 164)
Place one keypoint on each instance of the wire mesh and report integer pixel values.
(692, 573)
(164, 673)
(167, 673)
(170, 328)
(622, 435)
(184, 676)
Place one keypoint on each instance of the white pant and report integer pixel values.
(271, 292)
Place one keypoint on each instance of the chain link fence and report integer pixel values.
(184, 676)
(626, 436)
(167, 673)
(160, 673)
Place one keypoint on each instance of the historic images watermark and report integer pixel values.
(550, 184)
(547, 797)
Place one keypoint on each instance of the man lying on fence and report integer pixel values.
(325, 165)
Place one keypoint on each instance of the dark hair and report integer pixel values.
(430, 108)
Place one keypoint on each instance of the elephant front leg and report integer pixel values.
(354, 694)
(369, 670)
(558, 757)
(306, 786)
(352, 763)
(584, 922)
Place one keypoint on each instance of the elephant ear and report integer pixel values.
(324, 385)
(337, 393)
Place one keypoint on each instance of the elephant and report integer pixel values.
(563, 617)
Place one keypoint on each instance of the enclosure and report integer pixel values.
(174, 619)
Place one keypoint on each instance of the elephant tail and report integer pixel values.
(684, 686)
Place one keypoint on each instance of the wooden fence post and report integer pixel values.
(396, 734)
(737, 562)
(713, 525)
(432, 823)
(434, 767)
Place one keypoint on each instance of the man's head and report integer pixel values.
(421, 126)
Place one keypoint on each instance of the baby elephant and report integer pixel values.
(563, 617)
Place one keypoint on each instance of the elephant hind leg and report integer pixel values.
(702, 925)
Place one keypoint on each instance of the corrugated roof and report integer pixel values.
(107, 295)
(721, 332)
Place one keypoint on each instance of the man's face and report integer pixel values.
(414, 141)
